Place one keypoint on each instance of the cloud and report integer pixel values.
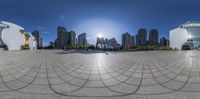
(61, 17)
(42, 29)
(46, 32)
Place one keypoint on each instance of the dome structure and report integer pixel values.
(14, 37)
(187, 32)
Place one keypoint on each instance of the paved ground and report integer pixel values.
(53, 74)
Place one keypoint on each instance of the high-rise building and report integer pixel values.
(62, 37)
(56, 43)
(41, 44)
(137, 40)
(82, 40)
(132, 41)
(36, 34)
(126, 40)
(72, 38)
(52, 44)
(142, 37)
(153, 37)
(164, 41)
(76, 40)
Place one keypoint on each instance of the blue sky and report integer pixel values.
(107, 17)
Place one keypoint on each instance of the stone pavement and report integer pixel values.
(53, 74)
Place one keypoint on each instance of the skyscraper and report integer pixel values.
(76, 40)
(36, 34)
(137, 40)
(62, 37)
(126, 40)
(72, 38)
(132, 41)
(142, 37)
(41, 44)
(56, 43)
(82, 40)
(153, 37)
(164, 41)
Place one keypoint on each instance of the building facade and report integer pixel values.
(141, 37)
(126, 40)
(137, 40)
(132, 41)
(71, 38)
(153, 37)
(186, 36)
(106, 43)
(36, 34)
(82, 40)
(41, 44)
(67, 39)
(62, 37)
(112, 44)
(14, 37)
(164, 41)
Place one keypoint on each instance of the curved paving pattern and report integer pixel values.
(99, 74)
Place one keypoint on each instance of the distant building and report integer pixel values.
(101, 43)
(36, 34)
(82, 40)
(71, 38)
(164, 41)
(41, 44)
(76, 40)
(62, 37)
(52, 44)
(126, 40)
(132, 41)
(112, 43)
(142, 37)
(153, 37)
(107, 43)
(137, 40)
(56, 43)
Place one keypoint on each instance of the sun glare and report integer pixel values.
(99, 35)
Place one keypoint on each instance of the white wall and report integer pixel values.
(32, 42)
(178, 37)
(12, 36)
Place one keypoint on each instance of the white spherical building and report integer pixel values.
(14, 37)
(186, 36)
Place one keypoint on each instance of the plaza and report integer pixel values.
(55, 74)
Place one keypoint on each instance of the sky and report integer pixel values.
(109, 18)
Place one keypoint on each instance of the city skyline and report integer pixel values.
(106, 17)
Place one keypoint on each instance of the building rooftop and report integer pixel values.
(189, 24)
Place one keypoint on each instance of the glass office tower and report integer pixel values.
(193, 29)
